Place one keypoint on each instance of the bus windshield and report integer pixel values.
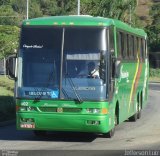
(84, 63)
(83, 67)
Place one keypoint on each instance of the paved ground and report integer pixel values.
(143, 134)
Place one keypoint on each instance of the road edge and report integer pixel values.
(154, 82)
(6, 123)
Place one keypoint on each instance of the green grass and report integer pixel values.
(6, 83)
(7, 103)
(154, 79)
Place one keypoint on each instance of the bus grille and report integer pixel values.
(65, 110)
(48, 109)
(73, 110)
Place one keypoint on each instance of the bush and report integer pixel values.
(154, 72)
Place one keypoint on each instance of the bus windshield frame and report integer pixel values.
(49, 56)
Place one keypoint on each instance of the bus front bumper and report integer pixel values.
(63, 122)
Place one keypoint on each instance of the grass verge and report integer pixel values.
(154, 79)
(7, 103)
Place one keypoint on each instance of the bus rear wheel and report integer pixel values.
(139, 109)
(133, 118)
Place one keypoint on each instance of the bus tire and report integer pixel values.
(39, 133)
(133, 118)
(111, 133)
(137, 115)
(139, 108)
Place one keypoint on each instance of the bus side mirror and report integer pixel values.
(117, 69)
(11, 67)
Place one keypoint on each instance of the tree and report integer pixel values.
(66, 7)
(110, 8)
(8, 16)
(153, 30)
(19, 6)
(34, 8)
(48, 7)
(5, 2)
(9, 38)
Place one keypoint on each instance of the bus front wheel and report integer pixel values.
(110, 134)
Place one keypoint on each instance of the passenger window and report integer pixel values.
(132, 47)
(122, 43)
(127, 46)
(138, 47)
(135, 47)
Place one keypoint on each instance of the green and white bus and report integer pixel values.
(51, 92)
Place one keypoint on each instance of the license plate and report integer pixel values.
(27, 125)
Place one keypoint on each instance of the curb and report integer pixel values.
(153, 82)
(6, 123)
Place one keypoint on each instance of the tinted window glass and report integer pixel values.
(40, 54)
(85, 63)
(122, 44)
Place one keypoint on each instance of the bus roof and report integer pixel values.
(83, 20)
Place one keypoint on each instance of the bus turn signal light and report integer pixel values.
(17, 108)
(104, 111)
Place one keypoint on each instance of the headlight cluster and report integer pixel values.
(26, 119)
(97, 110)
(26, 108)
(93, 110)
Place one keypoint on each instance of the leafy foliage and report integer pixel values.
(8, 16)
(154, 72)
(110, 8)
(8, 40)
(48, 7)
(5, 2)
(154, 29)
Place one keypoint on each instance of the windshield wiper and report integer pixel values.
(65, 93)
(79, 99)
(44, 88)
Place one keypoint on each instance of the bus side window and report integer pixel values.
(131, 46)
(137, 39)
(119, 45)
(122, 39)
(141, 49)
(127, 47)
(135, 48)
(146, 49)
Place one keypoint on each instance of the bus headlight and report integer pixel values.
(26, 108)
(93, 110)
(97, 110)
(30, 108)
(23, 108)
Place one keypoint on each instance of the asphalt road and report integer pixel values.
(141, 135)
